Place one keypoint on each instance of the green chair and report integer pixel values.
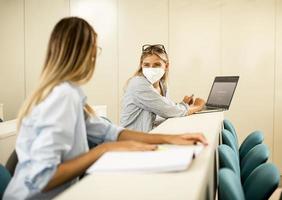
(250, 141)
(255, 157)
(12, 162)
(229, 126)
(262, 182)
(260, 185)
(5, 178)
(228, 139)
(230, 187)
(228, 159)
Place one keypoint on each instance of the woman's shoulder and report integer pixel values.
(62, 96)
(138, 81)
(65, 92)
(67, 89)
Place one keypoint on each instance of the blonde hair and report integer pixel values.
(149, 51)
(71, 56)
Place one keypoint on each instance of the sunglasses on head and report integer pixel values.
(155, 47)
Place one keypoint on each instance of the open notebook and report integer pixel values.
(168, 158)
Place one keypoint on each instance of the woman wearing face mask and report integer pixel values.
(146, 95)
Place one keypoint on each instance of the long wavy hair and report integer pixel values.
(71, 56)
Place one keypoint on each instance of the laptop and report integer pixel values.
(221, 94)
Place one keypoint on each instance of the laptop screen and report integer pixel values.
(222, 91)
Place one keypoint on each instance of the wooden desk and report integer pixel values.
(197, 182)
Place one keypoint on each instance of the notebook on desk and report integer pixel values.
(167, 159)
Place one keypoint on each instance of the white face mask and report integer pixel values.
(153, 74)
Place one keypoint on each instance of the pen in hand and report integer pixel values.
(191, 99)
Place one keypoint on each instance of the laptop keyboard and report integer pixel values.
(210, 108)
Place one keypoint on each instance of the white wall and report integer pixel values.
(40, 18)
(248, 49)
(204, 38)
(11, 56)
(103, 88)
(278, 88)
(194, 41)
(26, 27)
(140, 22)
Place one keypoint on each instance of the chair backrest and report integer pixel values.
(255, 157)
(12, 163)
(229, 126)
(251, 140)
(262, 182)
(228, 139)
(229, 186)
(228, 159)
(5, 178)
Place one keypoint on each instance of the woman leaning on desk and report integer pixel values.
(146, 95)
(55, 121)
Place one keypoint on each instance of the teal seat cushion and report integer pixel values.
(251, 140)
(262, 182)
(228, 159)
(5, 178)
(229, 126)
(254, 158)
(228, 139)
(230, 187)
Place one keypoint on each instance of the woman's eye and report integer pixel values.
(157, 66)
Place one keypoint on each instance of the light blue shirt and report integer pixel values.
(142, 103)
(54, 132)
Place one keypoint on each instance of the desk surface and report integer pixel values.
(8, 128)
(189, 184)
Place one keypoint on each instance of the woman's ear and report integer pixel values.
(167, 67)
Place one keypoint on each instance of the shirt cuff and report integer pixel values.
(185, 106)
(113, 133)
(39, 175)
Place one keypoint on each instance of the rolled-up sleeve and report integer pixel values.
(54, 125)
(100, 130)
(148, 99)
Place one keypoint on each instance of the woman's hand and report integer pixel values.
(199, 102)
(188, 100)
(197, 106)
(127, 146)
(186, 139)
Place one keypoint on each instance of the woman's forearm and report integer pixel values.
(142, 137)
(74, 168)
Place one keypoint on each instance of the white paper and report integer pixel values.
(165, 159)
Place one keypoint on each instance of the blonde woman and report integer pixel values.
(55, 121)
(146, 95)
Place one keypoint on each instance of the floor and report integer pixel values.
(277, 193)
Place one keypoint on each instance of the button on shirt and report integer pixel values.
(55, 131)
